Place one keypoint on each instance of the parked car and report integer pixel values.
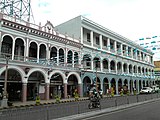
(146, 90)
(155, 88)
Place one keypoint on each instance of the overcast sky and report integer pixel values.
(132, 19)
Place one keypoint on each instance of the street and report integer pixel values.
(149, 111)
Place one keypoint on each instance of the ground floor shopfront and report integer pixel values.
(24, 85)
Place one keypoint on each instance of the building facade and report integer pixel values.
(111, 58)
(40, 61)
(44, 62)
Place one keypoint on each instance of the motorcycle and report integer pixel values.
(94, 102)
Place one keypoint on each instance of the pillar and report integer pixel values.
(38, 53)
(24, 92)
(80, 90)
(117, 88)
(57, 57)
(13, 47)
(138, 86)
(91, 36)
(108, 44)
(81, 35)
(47, 91)
(65, 90)
(100, 37)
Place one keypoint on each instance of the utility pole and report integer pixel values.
(4, 102)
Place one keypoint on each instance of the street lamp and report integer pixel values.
(5, 100)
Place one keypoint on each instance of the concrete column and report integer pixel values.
(13, 47)
(100, 38)
(101, 65)
(26, 52)
(117, 88)
(65, 56)
(128, 85)
(47, 91)
(73, 60)
(38, 53)
(115, 46)
(81, 35)
(121, 49)
(57, 57)
(91, 64)
(91, 36)
(108, 44)
(80, 90)
(65, 90)
(109, 69)
(109, 84)
(0, 42)
(116, 67)
(24, 92)
(138, 86)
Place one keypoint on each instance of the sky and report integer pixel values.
(132, 19)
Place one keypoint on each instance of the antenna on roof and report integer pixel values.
(21, 9)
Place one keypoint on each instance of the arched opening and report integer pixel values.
(87, 61)
(112, 66)
(113, 85)
(56, 86)
(140, 85)
(105, 85)
(53, 55)
(119, 85)
(96, 63)
(36, 86)
(19, 49)
(147, 84)
(86, 86)
(33, 52)
(119, 67)
(130, 69)
(7, 45)
(72, 85)
(125, 86)
(131, 86)
(75, 58)
(125, 68)
(42, 52)
(105, 65)
(144, 83)
(14, 85)
(61, 56)
(69, 58)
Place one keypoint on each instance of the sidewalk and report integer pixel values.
(103, 111)
(44, 101)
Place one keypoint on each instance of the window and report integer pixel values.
(88, 37)
(104, 42)
(97, 40)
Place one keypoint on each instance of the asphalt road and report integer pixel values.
(148, 111)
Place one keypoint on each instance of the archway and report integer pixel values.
(125, 86)
(36, 86)
(105, 85)
(72, 85)
(140, 85)
(144, 83)
(56, 86)
(119, 85)
(19, 49)
(113, 85)
(14, 85)
(86, 86)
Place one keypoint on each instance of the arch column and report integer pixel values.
(80, 89)
(65, 90)
(117, 87)
(24, 92)
(47, 91)
(38, 53)
(13, 47)
(57, 57)
(138, 86)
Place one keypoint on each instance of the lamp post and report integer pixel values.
(5, 100)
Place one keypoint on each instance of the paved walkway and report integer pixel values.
(103, 111)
